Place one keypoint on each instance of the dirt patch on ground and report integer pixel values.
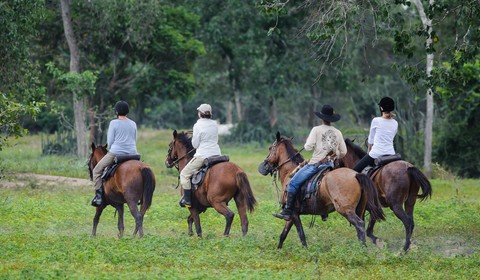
(25, 179)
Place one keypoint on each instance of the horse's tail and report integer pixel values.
(373, 203)
(148, 188)
(246, 191)
(420, 179)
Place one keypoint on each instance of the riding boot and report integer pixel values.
(186, 200)
(288, 209)
(97, 200)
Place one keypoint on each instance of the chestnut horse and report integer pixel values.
(223, 181)
(398, 184)
(342, 190)
(132, 183)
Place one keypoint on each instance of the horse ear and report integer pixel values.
(278, 135)
(105, 146)
(175, 133)
(93, 146)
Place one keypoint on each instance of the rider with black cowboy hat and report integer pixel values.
(327, 144)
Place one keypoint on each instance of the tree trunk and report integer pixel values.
(79, 102)
(273, 118)
(427, 24)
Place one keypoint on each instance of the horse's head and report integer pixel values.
(179, 148)
(354, 154)
(98, 152)
(279, 153)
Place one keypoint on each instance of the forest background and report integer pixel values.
(263, 66)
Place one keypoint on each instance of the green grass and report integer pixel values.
(45, 230)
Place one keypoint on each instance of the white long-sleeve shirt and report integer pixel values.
(382, 133)
(205, 138)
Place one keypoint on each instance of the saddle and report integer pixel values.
(109, 171)
(310, 187)
(199, 176)
(379, 163)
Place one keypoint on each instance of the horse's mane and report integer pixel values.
(358, 151)
(185, 140)
(291, 151)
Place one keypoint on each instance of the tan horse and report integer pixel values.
(222, 182)
(398, 184)
(133, 182)
(342, 190)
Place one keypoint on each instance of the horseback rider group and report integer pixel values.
(325, 141)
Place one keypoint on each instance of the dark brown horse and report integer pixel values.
(132, 183)
(342, 190)
(398, 184)
(223, 181)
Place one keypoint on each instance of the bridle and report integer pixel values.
(175, 160)
(274, 169)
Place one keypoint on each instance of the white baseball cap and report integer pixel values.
(204, 108)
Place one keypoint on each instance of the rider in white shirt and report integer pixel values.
(382, 133)
(205, 141)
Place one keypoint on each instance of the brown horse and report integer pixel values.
(398, 184)
(132, 183)
(342, 190)
(223, 181)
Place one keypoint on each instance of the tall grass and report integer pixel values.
(45, 230)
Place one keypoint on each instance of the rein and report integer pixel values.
(175, 162)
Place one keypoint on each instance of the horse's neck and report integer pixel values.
(285, 171)
(183, 162)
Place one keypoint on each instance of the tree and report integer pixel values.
(79, 100)
(21, 93)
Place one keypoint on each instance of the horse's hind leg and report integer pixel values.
(283, 235)
(371, 224)
(132, 205)
(96, 219)
(359, 224)
(242, 212)
(407, 223)
(120, 224)
(227, 213)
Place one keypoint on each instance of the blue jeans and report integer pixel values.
(304, 174)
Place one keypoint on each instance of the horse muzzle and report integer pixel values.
(265, 168)
(169, 164)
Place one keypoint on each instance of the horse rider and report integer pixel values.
(382, 133)
(205, 141)
(327, 144)
(121, 140)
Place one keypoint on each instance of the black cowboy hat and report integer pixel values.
(328, 114)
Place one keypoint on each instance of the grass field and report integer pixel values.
(45, 229)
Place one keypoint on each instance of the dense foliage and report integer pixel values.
(263, 65)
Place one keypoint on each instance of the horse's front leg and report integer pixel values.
(298, 224)
(190, 223)
(195, 216)
(120, 224)
(96, 219)
(283, 235)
